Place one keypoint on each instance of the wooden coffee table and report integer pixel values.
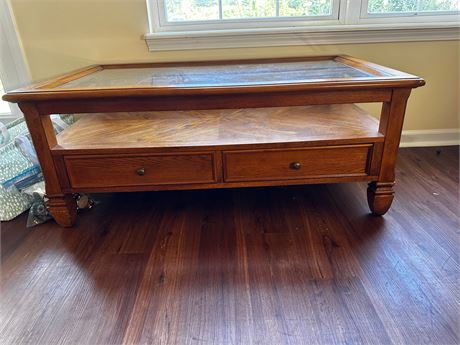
(217, 125)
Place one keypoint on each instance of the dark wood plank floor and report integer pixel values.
(286, 265)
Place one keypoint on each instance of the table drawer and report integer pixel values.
(314, 162)
(140, 170)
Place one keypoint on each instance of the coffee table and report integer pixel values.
(221, 124)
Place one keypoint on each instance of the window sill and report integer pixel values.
(7, 118)
(295, 36)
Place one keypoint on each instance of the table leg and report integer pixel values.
(62, 206)
(379, 197)
(63, 209)
(380, 193)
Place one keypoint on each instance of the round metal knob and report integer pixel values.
(140, 171)
(295, 165)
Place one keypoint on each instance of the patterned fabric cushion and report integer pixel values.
(14, 164)
(13, 203)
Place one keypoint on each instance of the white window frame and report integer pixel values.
(353, 25)
(13, 69)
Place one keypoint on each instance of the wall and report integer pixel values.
(61, 35)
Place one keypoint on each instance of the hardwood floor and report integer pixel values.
(281, 265)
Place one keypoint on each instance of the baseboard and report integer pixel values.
(430, 137)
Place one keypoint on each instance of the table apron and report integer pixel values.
(215, 101)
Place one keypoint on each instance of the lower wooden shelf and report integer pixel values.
(220, 129)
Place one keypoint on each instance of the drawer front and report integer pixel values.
(139, 170)
(315, 162)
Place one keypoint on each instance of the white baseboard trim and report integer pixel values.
(430, 137)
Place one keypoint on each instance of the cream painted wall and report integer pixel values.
(61, 35)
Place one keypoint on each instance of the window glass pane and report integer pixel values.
(440, 5)
(4, 107)
(248, 8)
(185, 10)
(305, 8)
(385, 6)
(404, 6)
(189, 10)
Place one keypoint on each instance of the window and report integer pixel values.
(13, 72)
(252, 23)
(4, 107)
(192, 15)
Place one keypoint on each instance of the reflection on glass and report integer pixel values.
(218, 75)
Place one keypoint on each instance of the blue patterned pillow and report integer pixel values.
(17, 169)
(12, 163)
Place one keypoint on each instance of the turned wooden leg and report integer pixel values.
(379, 197)
(380, 193)
(63, 208)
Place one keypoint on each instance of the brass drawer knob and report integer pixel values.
(140, 171)
(295, 165)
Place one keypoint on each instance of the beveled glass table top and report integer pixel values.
(218, 75)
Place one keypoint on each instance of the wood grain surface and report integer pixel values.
(221, 128)
(139, 170)
(280, 265)
(329, 161)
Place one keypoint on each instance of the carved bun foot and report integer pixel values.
(379, 197)
(63, 208)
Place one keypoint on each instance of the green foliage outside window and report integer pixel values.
(402, 6)
(183, 10)
(190, 10)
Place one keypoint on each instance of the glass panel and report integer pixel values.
(248, 8)
(4, 106)
(388, 6)
(189, 10)
(411, 6)
(440, 5)
(305, 8)
(219, 75)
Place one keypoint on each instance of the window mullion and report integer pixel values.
(352, 10)
(221, 10)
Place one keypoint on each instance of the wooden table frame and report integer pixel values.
(390, 87)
